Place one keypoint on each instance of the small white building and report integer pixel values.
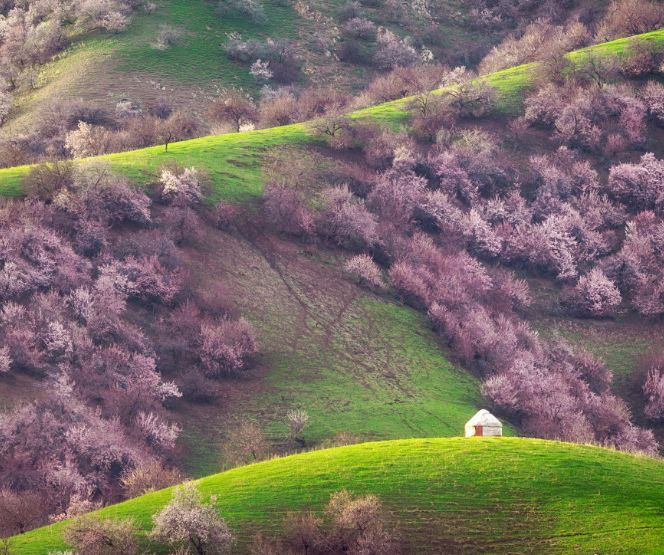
(484, 424)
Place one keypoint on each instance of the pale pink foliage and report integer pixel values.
(5, 360)
(96, 536)
(454, 178)
(70, 449)
(653, 97)
(345, 219)
(146, 278)
(188, 521)
(641, 185)
(115, 201)
(226, 346)
(286, 210)
(596, 294)
(393, 51)
(564, 174)
(365, 269)
(638, 268)
(181, 188)
(37, 258)
(157, 432)
(653, 388)
(396, 194)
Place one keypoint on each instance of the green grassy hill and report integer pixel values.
(103, 68)
(480, 495)
(356, 361)
(234, 160)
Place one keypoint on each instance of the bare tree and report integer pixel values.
(304, 532)
(149, 477)
(19, 511)
(178, 127)
(245, 443)
(232, 106)
(297, 421)
(97, 536)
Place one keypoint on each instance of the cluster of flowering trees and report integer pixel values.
(71, 285)
(607, 120)
(188, 524)
(33, 32)
(350, 524)
(433, 219)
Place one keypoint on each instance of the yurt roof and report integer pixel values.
(483, 418)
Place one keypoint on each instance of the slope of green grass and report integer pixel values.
(478, 495)
(103, 68)
(233, 160)
(400, 386)
(198, 57)
(357, 362)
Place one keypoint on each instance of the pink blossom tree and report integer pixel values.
(188, 521)
(639, 185)
(595, 294)
(181, 188)
(365, 269)
(286, 210)
(345, 219)
(396, 194)
(226, 346)
(653, 387)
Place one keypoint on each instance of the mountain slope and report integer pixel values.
(234, 160)
(356, 361)
(103, 68)
(489, 495)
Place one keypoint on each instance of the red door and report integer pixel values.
(479, 431)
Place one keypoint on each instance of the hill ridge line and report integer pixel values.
(237, 175)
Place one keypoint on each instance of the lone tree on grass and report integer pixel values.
(187, 521)
(178, 127)
(297, 421)
(246, 444)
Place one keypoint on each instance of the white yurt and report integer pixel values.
(484, 424)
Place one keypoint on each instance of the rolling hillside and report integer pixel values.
(423, 395)
(103, 68)
(358, 362)
(497, 495)
(234, 160)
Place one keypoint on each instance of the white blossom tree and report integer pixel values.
(187, 521)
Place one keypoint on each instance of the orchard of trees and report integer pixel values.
(451, 216)
(80, 260)
(97, 302)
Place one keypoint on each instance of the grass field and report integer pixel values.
(357, 362)
(479, 495)
(198, 58)
(104, 68)
(234, 160)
